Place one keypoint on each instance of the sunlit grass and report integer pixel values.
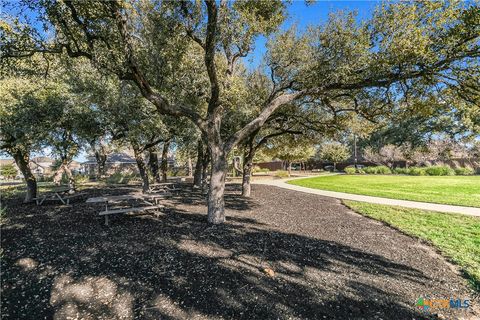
(457, 190)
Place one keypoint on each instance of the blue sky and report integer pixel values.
(303, 15)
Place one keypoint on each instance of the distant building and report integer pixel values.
(119, 162)
(116, 162)
(75, 167)
(42, 166)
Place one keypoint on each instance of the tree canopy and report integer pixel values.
(185, 59)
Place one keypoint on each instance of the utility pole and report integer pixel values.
(355, 150)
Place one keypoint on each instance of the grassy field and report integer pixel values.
(456, 236)
(458, 190)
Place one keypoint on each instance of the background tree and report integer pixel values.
(387, 155)
(133, 124)
(334, 152)
(290, 149)
(414, 44)
(26, 112)
(8, 171)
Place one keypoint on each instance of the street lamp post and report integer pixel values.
(355, 150)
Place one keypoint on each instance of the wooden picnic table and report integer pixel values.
(144, 198)
(61, 193)
(164, 187)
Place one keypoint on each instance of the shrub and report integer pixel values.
(259, 170)
(467, 171)
(119, 178)
(400, 171)
(350, 170)
(378, 170)
(416, 171)
(115, 178)
(8, 171)
(177, 172)
(79, 179)
(384, 170)
(45, 178)
(439, 171)
(370, 170)
(281, 173)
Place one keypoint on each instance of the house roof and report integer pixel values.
(119, 157)
(42, 159)
(6, 161)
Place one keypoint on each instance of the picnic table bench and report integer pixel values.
(163, 187)
(150, 199)
(62, 194)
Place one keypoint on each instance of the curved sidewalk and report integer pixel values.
(281, 183)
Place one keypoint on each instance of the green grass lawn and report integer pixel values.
(458, 190)
(456, 236)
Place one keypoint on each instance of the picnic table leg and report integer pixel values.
(60, 197)
(106, 216)
(40, 201)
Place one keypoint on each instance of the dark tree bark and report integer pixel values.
(142, 169)
(205, 164)
(22, 160)
(247, 172)
(164, 165)
(216, 202)
(101, 158)
(197, 175)
(153, 163)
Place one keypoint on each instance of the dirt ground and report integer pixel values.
(281, 255)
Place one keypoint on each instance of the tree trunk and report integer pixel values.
(205, 163)
(289, 168)
(334, 166)
(247, 172)
(64, 168)
(22, 160)
(71, 178)
(142, 170)
(101, 159)
(153, 163)
(197, 176)
(216, 202)
(164, 165)
(190, 167)
(57, 178)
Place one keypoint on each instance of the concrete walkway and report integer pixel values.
(281, 183)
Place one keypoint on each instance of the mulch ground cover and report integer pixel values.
(280, 255)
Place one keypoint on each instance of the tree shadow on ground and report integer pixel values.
(64, 264)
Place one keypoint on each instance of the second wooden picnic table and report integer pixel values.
(150, 199)
(163, 187)
(63, 194)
